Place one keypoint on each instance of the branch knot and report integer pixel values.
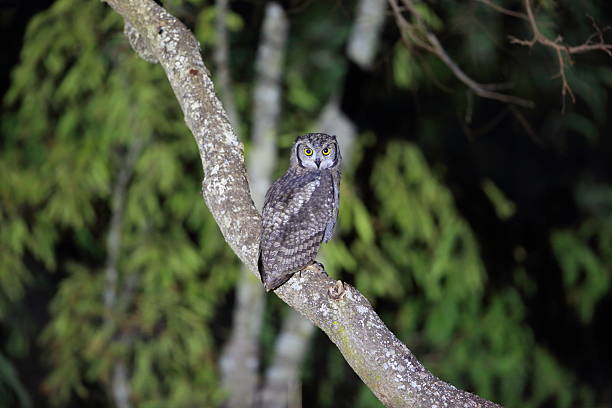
(337, 290)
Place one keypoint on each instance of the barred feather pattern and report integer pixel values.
(299, 213)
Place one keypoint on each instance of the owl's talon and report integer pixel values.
(315, 266)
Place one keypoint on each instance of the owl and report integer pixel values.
(300, 209)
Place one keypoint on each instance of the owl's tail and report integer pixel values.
(270, 281)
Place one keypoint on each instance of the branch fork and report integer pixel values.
(563, 52)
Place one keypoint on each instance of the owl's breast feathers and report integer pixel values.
(298, 208)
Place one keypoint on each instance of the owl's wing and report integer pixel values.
(294, 218)
(329, 228)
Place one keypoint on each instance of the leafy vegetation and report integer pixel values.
(481, 232)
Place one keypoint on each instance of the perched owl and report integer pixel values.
(300, 209)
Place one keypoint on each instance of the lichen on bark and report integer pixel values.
(384, 363)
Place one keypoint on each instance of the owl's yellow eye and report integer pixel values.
(326, 151)
(308, 151)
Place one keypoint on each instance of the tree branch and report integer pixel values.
(563, 52)
(418, 35)
(225, 188)
(385, 364)
(503, 10)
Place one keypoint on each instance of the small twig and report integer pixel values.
(418, 35)
(503, 10)
(470, 83)
(526, 125)
(599, 34)
(563, 52)
(409, 33)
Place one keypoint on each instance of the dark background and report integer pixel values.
(531, 155)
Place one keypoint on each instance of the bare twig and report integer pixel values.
(478, 89)
(384, 363)
(563, 52)
(503, 10)
(417, 33)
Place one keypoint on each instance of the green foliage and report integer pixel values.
(585, 253)
(503, 207)
(77, 122)
(417, 249)
(405, 70)
(414, 240)
(12, 392)
(83, 111)
(205, 25)
(428, 15)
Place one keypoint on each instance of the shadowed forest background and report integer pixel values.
(480, 230)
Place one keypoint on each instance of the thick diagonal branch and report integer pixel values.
(384, 363)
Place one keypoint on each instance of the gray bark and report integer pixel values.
(363, 42)
(221, 57)
(266, 100)
(283, 375)
(383, 362)
(240, 357)
(239, 360)
(334, 122)
(119, 382)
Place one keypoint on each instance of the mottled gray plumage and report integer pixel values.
(300, 209)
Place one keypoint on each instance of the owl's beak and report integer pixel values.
(318, 162)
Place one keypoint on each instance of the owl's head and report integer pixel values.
(316, 151)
